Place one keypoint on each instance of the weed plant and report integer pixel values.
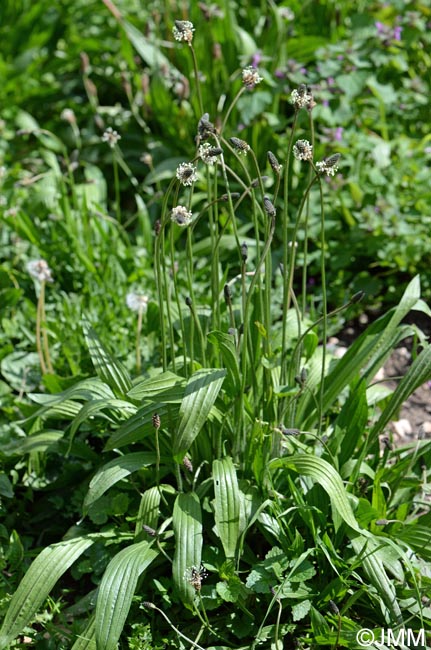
(237, 488)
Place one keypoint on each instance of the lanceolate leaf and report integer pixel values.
(37, 583)
(418, 373)
(225, 344)
(111, 371)
(322, 472)
(114, 471)
(117, 590)
(200, 394)
(227, 505)
(187, 523)
(87, 638)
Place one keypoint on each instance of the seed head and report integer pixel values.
(183, 31)
(157, 227)
(227, 294)
(275, 165)
(251, 77)
(181, 216)
(241, 146)
(303, 150)
(244, 251)
(149, 530)
(156, 421)
(188, 464)
(188, 301)
(186, 173)
(195, 576)
(302, 97)
(137, 301)
(329, 166)
(205, 127)
(269, 207)
(39, 270)
(111, 137)
(208, 154)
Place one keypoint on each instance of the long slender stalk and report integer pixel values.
(38, 329)
(44, 331)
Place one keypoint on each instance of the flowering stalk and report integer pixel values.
(39, 270)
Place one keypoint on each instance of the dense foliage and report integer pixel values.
(185, 460)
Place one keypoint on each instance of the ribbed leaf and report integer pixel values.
(418, 373)
(200, 394)
(418, 538)
(107, 367)
(87, 638)
(377, 575)
(125, 410)
(165, 387)
(225, 344)
(187, 524)
(40, 578)
(369, 351)
(140, 424)
(322, 472)
(117, 590)
(227, 504)
(36, 442)
(117, 469)
(148, 514)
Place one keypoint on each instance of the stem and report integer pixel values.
(117, 189)
(324, 304)
(231, 107)
(138, 340)
(284, 227)
(38, 328)
(44, 332)
(198, 86)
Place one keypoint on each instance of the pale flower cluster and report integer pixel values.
(181, 216)
(183, 31)
(209, 154)
(251, 77)
(39, 270)
(186, 173)
(137, 301)
(329, 166)
(111, 137)
(302, 97)
(303, 150)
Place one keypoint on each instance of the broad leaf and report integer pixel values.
(37, 583)
(200, 394)
(187, 523)
(227, 505)
(117, 469)
(117, 590)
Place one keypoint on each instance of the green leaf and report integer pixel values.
(117, 590)
(152, 55)
(187, 524)
(148, 514)
(200, 394)
(87, 639)
(36, 442)
(418, 373)
(37, 583)
(224, 343)
(322, 472)
(301, 610)
(227, 504)
(108, 369)
(166, 387)
(6, 488)
(117, 469)
(369, 351)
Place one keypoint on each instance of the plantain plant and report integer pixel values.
(243, 495)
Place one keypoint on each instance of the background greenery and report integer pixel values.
(90, 211)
